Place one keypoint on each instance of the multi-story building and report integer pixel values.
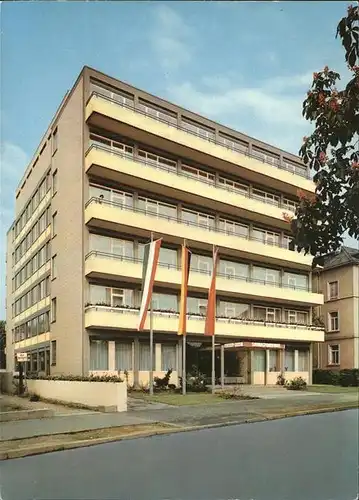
(117, 164)
(338, 280)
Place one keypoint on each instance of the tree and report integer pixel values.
(332, 152)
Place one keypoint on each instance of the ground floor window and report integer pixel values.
(289, 360)
(273, 365)
(98, 355)
(168, 357)
(334, 354)
(145, 363)
(259, 361)
(34, 361)
(123, 356)
(303, 361)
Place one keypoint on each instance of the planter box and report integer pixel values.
(92, 394)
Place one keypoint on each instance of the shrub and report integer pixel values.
(326, 377)
(75, 378)
(281, 379)
(195, 381)
(297, 384)
(235, 393)
(34, 397)
(162, 382)
(349, 378)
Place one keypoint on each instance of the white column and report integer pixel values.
(296, 356)
(111, 356)
(158, 358)
(266, 367)
(136, 362)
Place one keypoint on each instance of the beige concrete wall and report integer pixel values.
(86, 393)
(67, 245)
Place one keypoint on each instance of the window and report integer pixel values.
(196, 306)
(296, 317)
(168, 357)
(265, 197)
(155, 207)
(259, 359)
(334, 321)
(334, 354)
(53, 352)
(54, 229)
(296, 281)
(273, 356)
(289, 360)
(98, 355)
(233, 309)
(201, 263)
(144, 362)
(197, 173)
(54, 182)
(231, 227)
(53, 267)
(333, 290)
(198, 218)
(267, 237)
(123, 356)
(164, 302)
(233, 186)
(54, 141)
(303, 361)
(53, 310)
(168, 256)
(233, 269)
(266, 276)
(121, 297)
(266, 314)
(158, 160)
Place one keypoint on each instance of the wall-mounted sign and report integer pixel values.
(21, 357)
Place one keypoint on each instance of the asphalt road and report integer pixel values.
(301, 458)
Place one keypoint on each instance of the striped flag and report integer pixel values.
(209, 328)
(186, 264)
(150, 261)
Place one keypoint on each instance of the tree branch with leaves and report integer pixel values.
(332, 152)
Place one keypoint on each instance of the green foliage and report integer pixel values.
(332, 151)
(196, 381)
(75, 378)
(161, 383)
(326, 377)
(234, 394)
(281, 379)
(349, 378)
(297, 384)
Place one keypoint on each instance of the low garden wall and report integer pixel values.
(92, 394)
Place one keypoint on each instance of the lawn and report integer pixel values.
(194, 398)
(332, 389)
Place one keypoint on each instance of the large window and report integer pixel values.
(119, 197)
(198, 173)
(155, 207)
(202, 263)
(259, 359)
(196, 306)
(303, 361)
(198, 218)
(233, 186)
(164, 302)
(157, 161)
(114, 297)
(289, 360)
(233, 310)
(109, 245)
(334, 354)
(334, 321)
(266, 313)
(273, 360)
(295, 317)
(231, 227)
(266, 197)
(266, 276)
(53, 310)
(293, 280)
(267, 237)
(123, 356)
(233, 269)
(144, 361)
(98, 355)
(168, 357)
(167, 255)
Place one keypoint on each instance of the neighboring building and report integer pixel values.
(115, 165)
(338, 280)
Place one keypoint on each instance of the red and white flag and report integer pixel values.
(150, 261)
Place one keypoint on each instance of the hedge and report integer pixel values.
(344, 378)
(74, 378)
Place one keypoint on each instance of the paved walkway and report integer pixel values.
(228, 411)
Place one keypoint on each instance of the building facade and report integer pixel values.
(338, 280)
(117, 164)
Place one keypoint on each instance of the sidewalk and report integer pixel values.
(183, 416)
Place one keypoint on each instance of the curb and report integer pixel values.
(39, 450)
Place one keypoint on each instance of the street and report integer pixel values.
(301, 458)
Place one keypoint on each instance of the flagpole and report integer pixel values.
(213, 336)
(151, 339)
(184, 377)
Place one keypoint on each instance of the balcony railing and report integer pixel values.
(201, 317)
(275, 163)
(176, 267)
(179, 220)
(215, 185)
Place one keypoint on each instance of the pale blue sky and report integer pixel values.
(247, 65)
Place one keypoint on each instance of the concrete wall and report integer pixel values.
(67, 245)
(85, 393)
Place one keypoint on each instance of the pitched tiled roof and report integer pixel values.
(345, 256)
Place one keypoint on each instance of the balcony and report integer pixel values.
(110, 163)
(112, 267)
(115, 216)
(103, 317)
(109, 114)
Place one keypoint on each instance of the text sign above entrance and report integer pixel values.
(261, 345)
